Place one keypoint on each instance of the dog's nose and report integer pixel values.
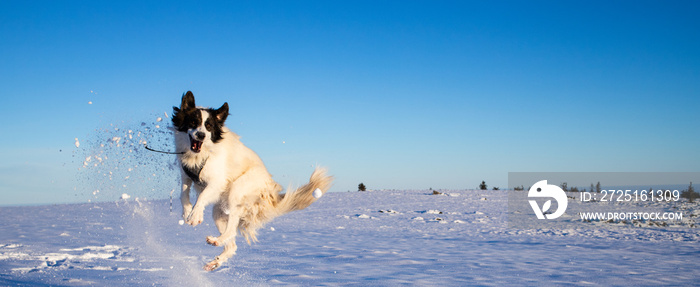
(200, 135)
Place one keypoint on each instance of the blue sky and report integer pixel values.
(394, 94)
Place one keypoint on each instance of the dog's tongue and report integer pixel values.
(196, 145)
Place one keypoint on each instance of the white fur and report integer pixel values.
(239, 186)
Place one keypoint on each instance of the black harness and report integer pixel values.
(193, 173)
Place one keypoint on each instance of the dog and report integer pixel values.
(232, 177)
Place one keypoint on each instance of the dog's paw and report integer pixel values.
(186, 211)
(211, 266)
(195, 218)
(213, 241)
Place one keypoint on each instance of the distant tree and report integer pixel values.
(690, 193)
(592, 187)
(519, 188)
(564, 186)
(483, 185)
(574, 189)
(496, 188)
(597, 187)
(361, 187)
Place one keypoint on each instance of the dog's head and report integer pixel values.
(201, 125)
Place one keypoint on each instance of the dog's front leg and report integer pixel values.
(210, 194)
(185, 197)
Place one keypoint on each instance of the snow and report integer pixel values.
(355, 238)
(318, 193)
(116, 161)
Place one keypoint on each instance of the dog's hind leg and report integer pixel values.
(229, 250)
(235, 205)
(227, 225)
(222, 221)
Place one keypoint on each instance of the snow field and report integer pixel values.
(374, 238)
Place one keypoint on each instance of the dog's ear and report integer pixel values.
(222, 113)
(187, 101)
(177, 117)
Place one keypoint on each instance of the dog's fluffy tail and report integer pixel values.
(304, 196)
(266, 208)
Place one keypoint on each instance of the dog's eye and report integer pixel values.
(208, 125)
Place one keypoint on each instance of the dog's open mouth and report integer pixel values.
(195, 145)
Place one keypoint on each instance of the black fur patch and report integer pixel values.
(187, 116)
(216, 121)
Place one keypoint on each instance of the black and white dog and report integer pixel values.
(226, 173)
